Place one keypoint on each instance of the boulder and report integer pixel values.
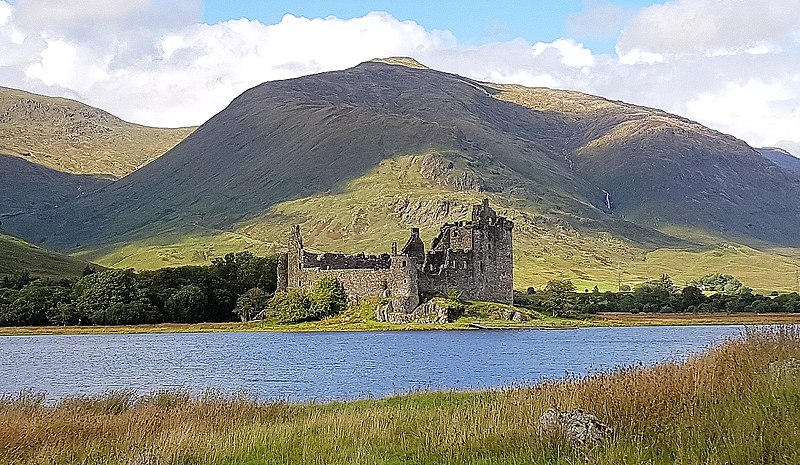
(430, 312)
(577, 427)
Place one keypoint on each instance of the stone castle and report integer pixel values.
(475, 257)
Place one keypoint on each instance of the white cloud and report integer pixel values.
(710, 27)
(756, 110)
(573, 54)
(179, 72)
(598, 19)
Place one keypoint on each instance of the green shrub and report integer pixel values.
(326, 298)
(288, 307)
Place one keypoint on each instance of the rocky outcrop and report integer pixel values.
(431, 312)
(576, 427)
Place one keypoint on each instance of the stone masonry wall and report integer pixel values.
(393, 276)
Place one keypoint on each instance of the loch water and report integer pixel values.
(335, 365)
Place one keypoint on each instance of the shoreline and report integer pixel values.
(598, 320)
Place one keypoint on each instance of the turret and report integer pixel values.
(415, 248)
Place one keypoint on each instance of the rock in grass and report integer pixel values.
(577, 427)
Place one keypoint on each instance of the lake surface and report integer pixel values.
(326, 366)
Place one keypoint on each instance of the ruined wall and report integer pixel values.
(474, 257)
(392, 276)
(449, 269)
(338, 261)
(454, 236)
(399, 283)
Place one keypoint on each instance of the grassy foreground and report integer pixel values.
(737, 404)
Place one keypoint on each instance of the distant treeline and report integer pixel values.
(709, 294)
(237, 286)
(188, 294)
(242, 286)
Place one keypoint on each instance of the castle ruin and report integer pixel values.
(475, 257)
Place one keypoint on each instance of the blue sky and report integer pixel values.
(478, 23)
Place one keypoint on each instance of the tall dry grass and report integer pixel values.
(738, 403)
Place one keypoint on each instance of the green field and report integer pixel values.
(737, 404)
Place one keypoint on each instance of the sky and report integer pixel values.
(733, 65)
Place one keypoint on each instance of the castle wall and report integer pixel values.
(449, 269)
(398, 283)
(394, 277)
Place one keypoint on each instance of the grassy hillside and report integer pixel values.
(599, 190)
(71, 137)
(383, 204)
(17, 255)
(28, 187)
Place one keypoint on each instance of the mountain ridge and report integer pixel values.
(72, 137)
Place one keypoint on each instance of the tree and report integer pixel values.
(98, 292)
(691, 296)
(655, 295)
(34, 304)
(558, 297)
(328, 298)
(187, 305)
(251, 304)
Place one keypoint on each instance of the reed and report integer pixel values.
(737, 403)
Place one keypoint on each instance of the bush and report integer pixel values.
(288, 307)
(326, 298)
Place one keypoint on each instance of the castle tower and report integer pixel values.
(294, 257)
(493, 254)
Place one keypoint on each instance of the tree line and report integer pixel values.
(709, 294)
(242, 286)
(236, 286)
(187, 294)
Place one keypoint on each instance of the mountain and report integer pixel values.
(598, 188)
(781, 158)
(27, 187)
(71, 137)
(17, 255)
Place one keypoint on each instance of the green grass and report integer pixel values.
(17, 255)
(737, 404)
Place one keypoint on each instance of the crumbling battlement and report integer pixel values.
(475, 257)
